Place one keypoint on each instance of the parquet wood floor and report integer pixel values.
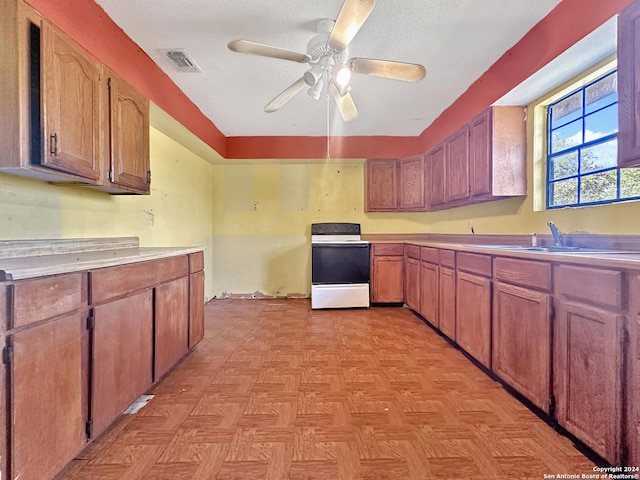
(276, 391)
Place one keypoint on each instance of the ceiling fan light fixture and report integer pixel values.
(342, 78)
(315, 91)
(313, 75)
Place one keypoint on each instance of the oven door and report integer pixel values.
(339, 263)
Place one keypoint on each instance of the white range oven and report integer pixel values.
(339, 266)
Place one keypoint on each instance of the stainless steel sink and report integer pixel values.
(551, 249)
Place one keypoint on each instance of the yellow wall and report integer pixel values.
(177, 213)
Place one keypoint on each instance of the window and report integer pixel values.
(582, 148)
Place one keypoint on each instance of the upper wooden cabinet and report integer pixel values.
(484, 160)
(629, 86)
(395, 184)
(58, 108)
(128, 137)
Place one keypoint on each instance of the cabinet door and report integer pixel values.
(387, 279)
(480, 154)
(171, 325)
(121, 357)
(381, 185)
(633, 372)
(429, 292)
(436, 159)
(457, 166)
(71, 100)
(411, 183)
(447, 302)
(587, 376)
(629, 86)
(412, 283)
(47, 421)
(473, 316)
(129, 131)
(522, 341)
(196, 308)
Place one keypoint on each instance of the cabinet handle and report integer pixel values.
(53, 144)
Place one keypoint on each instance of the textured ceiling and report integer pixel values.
(456, 40)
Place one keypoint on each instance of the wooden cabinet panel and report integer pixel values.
(474, 263)
(629, 86)
(587, 376)
(480, 154)
(47, 421)
(447, 302)
(412, 251)
(596, 286)
(436, 161)
(525, 273)
(521, 349)
(42, 298)
(71, 99)
(457, 166)
(412, 283)
(411, 186)
(447, 258)
(121, 356)
(473, 316)
(381, 183)
(129, 135)
(196, 308)
(112, 282)
(171, 325)
(429, 299)
(387, 279)
(428, 254)
(387, 249)
(196, 262)
(632, 378)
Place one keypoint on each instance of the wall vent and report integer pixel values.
(181, 60)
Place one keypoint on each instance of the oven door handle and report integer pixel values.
(340, 245)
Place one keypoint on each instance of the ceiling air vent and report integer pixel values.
(181, 60)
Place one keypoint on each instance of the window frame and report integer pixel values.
(579, 175)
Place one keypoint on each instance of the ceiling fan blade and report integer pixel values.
(285, 96)
(351, 17)
(409, 72)
(245, 46)
(345, 104)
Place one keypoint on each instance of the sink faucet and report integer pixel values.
(558, 239)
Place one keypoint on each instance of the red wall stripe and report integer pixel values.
(88, 24)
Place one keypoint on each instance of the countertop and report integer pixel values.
(79, 255)
(615, 260)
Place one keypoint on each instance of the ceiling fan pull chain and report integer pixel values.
(328, 121)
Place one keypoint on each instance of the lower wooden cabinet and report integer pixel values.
(473, 316)
(387, 273)
(429, 292)
(171, 325)
(196, 308)
(412, 283)
(122, 357)
(447, 302)
(521, 350)
(633, 372)
(588, 356)
(47, 391)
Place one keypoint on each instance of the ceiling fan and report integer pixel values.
(327, 57)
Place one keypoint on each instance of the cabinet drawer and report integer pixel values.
(428, 254)
(113, 282)
(590, 285)
(196, 262)
(35, 300)
(523, 272)
(447, 258)
(412, 251)
(474, 263)
(388, 249)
